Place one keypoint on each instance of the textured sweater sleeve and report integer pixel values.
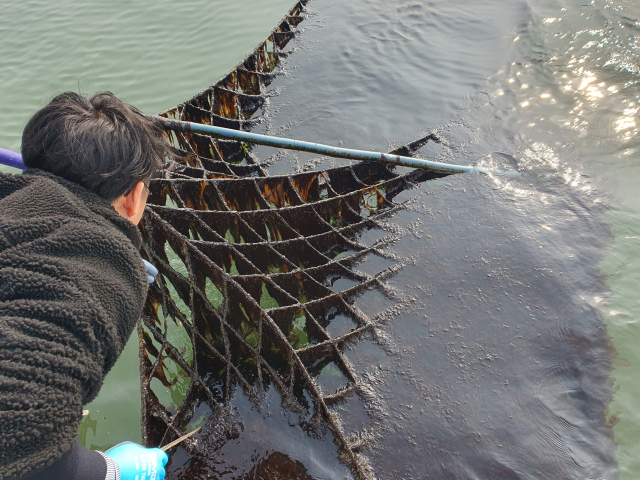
(72, 287)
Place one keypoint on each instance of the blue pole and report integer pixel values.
(229, 134)
(11, 159)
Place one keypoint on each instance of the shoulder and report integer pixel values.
(10, 183)
(37, 195)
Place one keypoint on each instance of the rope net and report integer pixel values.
(260, 276)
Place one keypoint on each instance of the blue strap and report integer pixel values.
(11, 159)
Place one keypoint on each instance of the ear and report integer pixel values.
(131, 206)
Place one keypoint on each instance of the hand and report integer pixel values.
(137, 462)
(151, 271)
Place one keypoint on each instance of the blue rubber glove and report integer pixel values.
(137, 462)
(151, 271)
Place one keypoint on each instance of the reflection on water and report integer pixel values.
(577, 87)
(582, 71)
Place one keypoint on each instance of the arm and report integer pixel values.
(72, 287)
(79, 463)
(126, 461)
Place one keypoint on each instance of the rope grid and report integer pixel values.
(255, 269)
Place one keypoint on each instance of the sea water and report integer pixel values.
(546, 87)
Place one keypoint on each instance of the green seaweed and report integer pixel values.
(178, 336)
(214, 295)
(248, 330)
(175, 261)
(266, 300)
(184, 309)
(233, 270)
(298, 337)
(228, 236)
(169, 203)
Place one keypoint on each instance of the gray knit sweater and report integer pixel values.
(72, 287)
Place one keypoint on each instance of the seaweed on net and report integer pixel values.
(233, 103)
(256, 276)
(254, 281)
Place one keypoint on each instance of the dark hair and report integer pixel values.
(100, 142)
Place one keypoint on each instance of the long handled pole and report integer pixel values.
(287, 143)
(14, 159)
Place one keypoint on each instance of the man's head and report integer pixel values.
(100, 143)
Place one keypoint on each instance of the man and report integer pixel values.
(72, 283)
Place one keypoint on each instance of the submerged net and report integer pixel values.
(259, 277)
